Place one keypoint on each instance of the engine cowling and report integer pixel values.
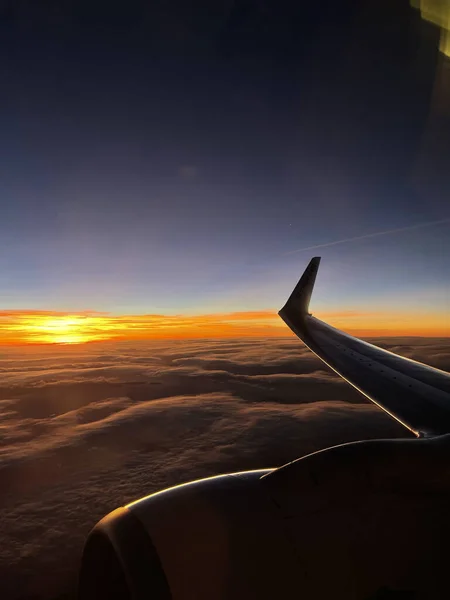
(214, 538)
(354, 521)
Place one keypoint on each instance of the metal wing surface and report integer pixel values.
(415, 394)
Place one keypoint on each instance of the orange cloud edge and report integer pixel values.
(31, 327)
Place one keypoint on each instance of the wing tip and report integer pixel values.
(298, 301)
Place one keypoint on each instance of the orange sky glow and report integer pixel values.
(47, 327)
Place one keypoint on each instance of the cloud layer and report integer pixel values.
(85, 429)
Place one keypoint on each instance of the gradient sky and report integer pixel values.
(183, 158)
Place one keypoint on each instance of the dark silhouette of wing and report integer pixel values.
(417, 395)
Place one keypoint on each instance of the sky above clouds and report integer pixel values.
(177, 162)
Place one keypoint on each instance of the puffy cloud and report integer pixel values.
(86, 429)
(433, 351)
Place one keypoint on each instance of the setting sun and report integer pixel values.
(62, 330)
(44, 328)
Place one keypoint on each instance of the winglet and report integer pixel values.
(298, 301)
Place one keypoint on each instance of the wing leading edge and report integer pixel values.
(416, 395)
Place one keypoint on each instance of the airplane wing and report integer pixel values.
(416, 395)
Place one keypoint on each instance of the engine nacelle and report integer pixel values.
(214, 538)
(354, 521)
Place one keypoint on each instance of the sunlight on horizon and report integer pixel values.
(26, 327)
(45, 327)
(71, 329)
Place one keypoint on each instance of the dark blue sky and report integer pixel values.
(169, 158)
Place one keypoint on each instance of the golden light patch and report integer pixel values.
(438, 13)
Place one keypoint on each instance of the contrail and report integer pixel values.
(370, 235)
